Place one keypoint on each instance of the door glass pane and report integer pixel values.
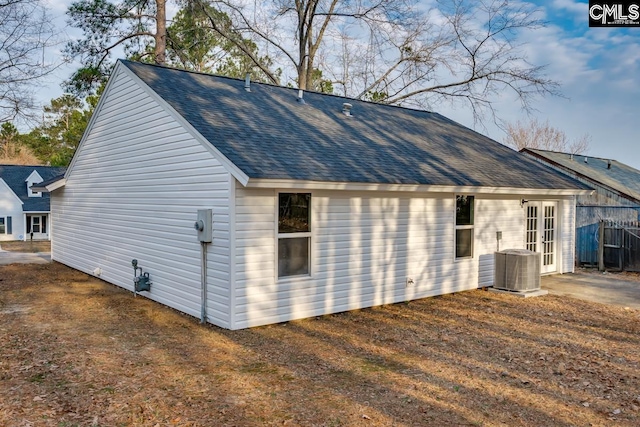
(549, 235)
(532, 228)
(35, 224)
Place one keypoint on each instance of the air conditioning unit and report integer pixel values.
(517, 270)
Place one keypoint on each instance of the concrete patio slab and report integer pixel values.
(608, 288)
(521, 294)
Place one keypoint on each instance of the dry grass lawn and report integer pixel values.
(28, 246)
(75, 351)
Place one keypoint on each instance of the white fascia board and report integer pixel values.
(51, 187)
(57, 184)
(228, 164)
(359, 186)
(8, 189)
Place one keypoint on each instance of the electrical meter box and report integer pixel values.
(204, 225)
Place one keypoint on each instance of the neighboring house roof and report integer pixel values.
(16, 178)
(268, 134)
(605, 172)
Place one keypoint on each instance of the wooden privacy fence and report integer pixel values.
(619, 245)
(588, 219)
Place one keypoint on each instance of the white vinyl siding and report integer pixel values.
(496, 214)
(365, 246)
(363, 249)
(493, 215)
(11, 206)
(133, 192)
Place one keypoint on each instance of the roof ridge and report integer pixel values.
(576, 154)
(201, 73)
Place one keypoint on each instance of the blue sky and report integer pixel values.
(598, 68)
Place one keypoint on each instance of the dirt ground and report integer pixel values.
(75, 351)
(34, 246)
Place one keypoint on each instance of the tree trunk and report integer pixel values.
(161, 32)
(302, 46)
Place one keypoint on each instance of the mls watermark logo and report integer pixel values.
(614, 14)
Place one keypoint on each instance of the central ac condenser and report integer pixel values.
(517, 270)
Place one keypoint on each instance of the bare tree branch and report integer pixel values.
(25, 33)
(541, 135)
(460, 51)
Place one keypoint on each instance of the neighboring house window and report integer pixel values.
(5, 225)
(36, 224)
(34, 178)
(31, 192)
(294, 234)
(464, 226)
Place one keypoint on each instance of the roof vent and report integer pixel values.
(346, 109)
(247, 82)
(300, 96)
(586, 160)
(608, 164)
(571, 156)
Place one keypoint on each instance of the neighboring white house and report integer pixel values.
(320, 203)
(23, 211)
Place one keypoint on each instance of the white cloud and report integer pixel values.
(598, 69)
(579, 8)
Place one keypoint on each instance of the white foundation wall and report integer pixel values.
(133, 192)
(364, 246)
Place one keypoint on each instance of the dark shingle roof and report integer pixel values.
(46, 182)
(16, 177)
(268, 134)
(618, 176)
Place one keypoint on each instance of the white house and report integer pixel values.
(320, 203)
(23, 211)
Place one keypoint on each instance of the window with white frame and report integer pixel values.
(3, 226)
(294, 234)
(464, 226)
(37, 224)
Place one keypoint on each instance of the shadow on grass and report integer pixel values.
(86, 349)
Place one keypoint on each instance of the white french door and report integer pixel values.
(541, 234)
